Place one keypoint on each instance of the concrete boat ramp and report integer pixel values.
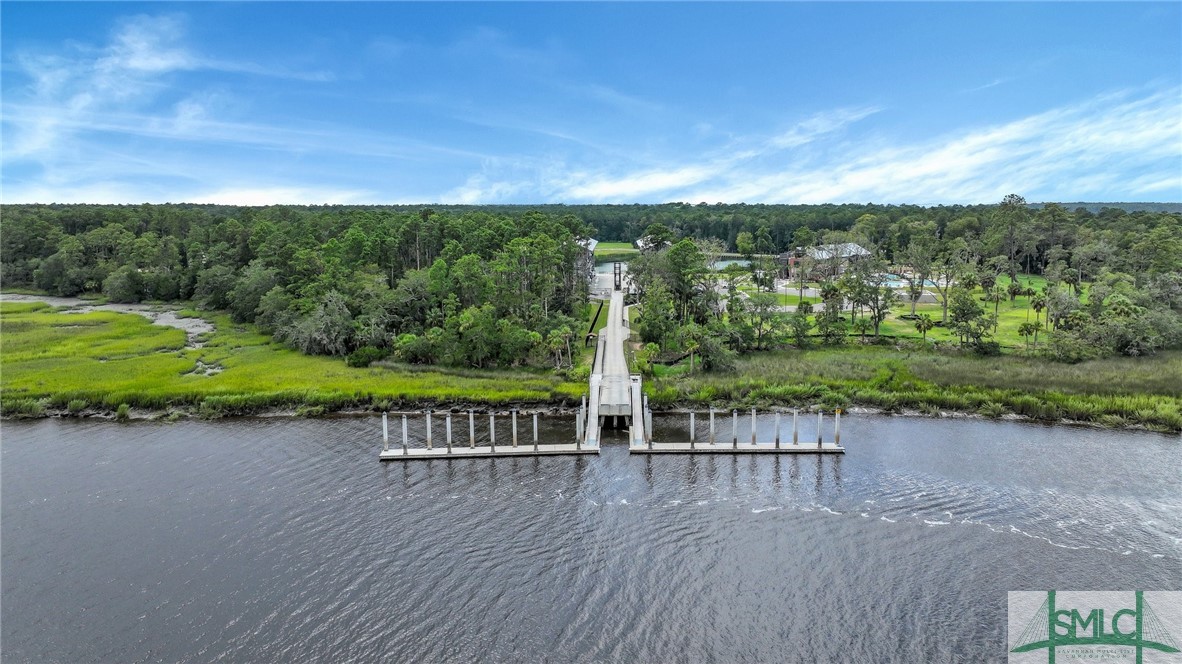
(614, 399)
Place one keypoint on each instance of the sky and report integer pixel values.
(367, 103)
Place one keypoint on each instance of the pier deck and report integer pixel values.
(485, 451)
(615, 388)
(729, 448)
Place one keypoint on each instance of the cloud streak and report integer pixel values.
(144, 115)
(94, 87)
(1065, 153)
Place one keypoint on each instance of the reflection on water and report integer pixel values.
(278, 540)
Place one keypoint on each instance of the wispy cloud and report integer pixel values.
(656, 182)
(991, 84)
(89, 87)
(1129, 141)
(819, 125)
(60, 127)
(284, 196)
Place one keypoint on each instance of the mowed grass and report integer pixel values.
(1010, 315)
(107, 359)
(608, 251)
(614, 248)
(1113, 391)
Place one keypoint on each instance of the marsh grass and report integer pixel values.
(1120, 391)
(107, 359)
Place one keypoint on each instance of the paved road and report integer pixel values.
(614, 398)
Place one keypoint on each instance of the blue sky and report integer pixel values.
(259, 103)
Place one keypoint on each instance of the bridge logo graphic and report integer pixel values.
(1112, 626)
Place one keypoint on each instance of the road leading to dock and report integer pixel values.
(614, 391)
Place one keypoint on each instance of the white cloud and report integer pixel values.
(115, 192)
(283, 196)
(636, 186)
(91, 88)
(1115, 145)
(819, 125)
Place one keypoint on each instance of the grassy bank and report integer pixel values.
(614, 251)
(100, 360)
(1112, 392)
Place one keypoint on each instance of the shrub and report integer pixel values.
(991, 409)
(122, 412)
(987, 347)
(579, 374)
(124, 285)
(76, 406)
(365, 356)
(22, 408)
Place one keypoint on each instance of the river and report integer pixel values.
(286, 540)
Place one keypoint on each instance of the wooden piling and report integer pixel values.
(820, 419)
(447, 426)
(777, 430)
(735, 429)
(753, 426)
(837, 427)
(535, 432)
(385, 433)
(428, 429)
(471, 429)
(711, 425)
(404, 433)
(514, 427)
(579, 423)
(492, 432)
(691, 430)
(795, 430)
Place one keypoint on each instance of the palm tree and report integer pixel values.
(862, 326)
(1014, 289)
(923, 324)
(555, 344)
(1121, 307)
(1039, 302)
(997, 294)
(1026, 329)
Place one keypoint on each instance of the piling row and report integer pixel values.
(640, 441)
(754, 445)
(473, 450)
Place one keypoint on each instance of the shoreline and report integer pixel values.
(171, 415)
(319, 387)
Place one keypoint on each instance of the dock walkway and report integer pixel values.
(612, 393)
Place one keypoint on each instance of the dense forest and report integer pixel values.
(473, 289)
(1108, 283)
(503, 285)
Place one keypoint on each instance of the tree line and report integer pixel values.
(505, 285)
(1113, 281)
(474, 289)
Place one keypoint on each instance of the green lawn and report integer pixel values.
(106, 359)
(1010, 315)
(614, 247)
(605, 251)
